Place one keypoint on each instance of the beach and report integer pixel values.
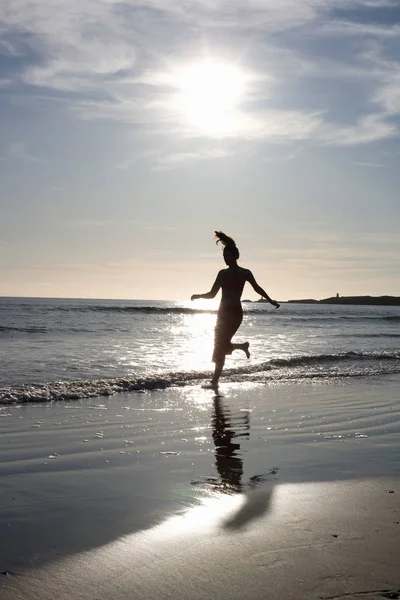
(278, 490)
(199, 300)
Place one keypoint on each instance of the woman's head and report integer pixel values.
(231, 252)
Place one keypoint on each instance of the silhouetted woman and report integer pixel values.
(230, 313)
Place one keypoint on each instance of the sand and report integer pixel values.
(283, 491)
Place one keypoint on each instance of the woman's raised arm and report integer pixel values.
(213, 292)
(250, 278)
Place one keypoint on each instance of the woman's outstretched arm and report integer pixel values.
(259, 290)
(212, 293)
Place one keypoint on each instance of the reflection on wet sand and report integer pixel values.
(228, 427)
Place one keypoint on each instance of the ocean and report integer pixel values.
(55, 349)
(109, 440)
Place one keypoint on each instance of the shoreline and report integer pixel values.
(292, 371)
(80, 475)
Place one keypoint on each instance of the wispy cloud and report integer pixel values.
(99, 223)
(354, 29)
(341, 252)
(108, 61)
(96, 223)
(19, 151)
(367, 129)
(167, 157)
(368, 164)
(168, 161)
(389, 93)
(151, 227)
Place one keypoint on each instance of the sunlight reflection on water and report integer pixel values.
(196, 335)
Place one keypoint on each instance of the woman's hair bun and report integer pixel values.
(224, 239)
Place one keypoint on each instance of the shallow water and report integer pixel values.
(70, 349)
(294, 429)
(77, 475)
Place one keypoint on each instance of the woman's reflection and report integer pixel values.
(227, 428)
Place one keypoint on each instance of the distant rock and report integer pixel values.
(358, 300)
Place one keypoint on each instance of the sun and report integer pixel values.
(209, 94)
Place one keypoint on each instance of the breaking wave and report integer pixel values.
(321, 366)
(248, 309)
(12, 329)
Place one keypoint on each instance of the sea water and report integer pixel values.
(67, 349)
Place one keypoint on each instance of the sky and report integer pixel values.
(130, 131)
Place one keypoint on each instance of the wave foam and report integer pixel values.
(348, 364)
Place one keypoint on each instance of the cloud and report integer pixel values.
(388, 96)
(328, 251)
(120, 223)
(51, 267)
(99, 223)
(167, 157)
(369, 164)
(96, 223)
(339, 239)
(170, 160)
(116, 61)
(354, 29)
(367, 129)
(151, 227)
(18, 151)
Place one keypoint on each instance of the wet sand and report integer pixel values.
(283, 491)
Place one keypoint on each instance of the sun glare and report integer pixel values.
(209, 96)
(198, 332)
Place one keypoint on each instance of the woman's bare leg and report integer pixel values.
(244, 347)
(217, 374)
